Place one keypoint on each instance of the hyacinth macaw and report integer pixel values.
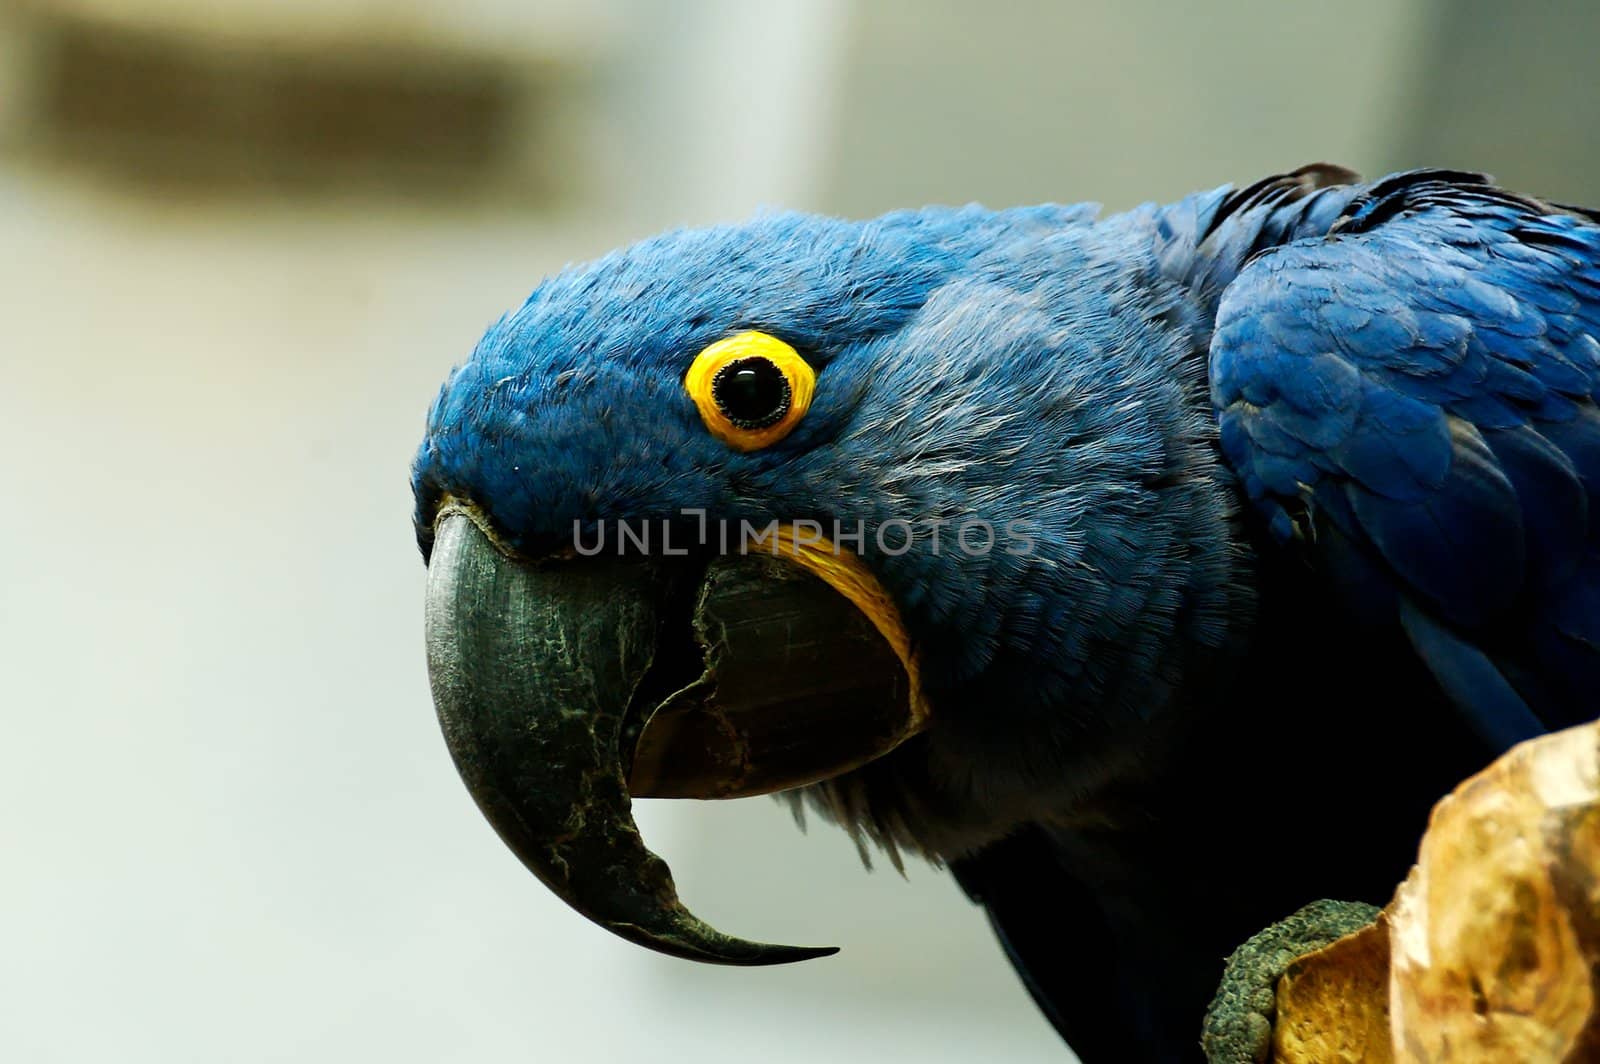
(1285, 492)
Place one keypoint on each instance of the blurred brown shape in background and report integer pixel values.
(219, 102)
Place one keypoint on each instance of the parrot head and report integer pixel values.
(913, 516)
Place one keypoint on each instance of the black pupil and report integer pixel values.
(751, 392)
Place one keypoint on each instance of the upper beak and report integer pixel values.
(565, 686)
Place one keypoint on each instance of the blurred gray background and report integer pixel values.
(244, 241)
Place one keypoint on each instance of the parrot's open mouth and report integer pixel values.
(567, 686)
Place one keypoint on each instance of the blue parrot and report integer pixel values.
(1156, 572)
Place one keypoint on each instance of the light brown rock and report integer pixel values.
(1495, 935)
(1490, 950)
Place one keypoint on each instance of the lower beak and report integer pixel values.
(563, 687)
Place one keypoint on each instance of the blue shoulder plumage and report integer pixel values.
(1413, 395)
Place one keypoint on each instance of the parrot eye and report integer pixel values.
(751, 389)
(752, 392)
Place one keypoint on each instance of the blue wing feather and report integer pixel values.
(1471, 679)
(1416, 389)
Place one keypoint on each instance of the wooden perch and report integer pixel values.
(1490, 950)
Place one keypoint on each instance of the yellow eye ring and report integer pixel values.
(751, 389)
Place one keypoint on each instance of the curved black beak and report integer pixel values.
(559, 684)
